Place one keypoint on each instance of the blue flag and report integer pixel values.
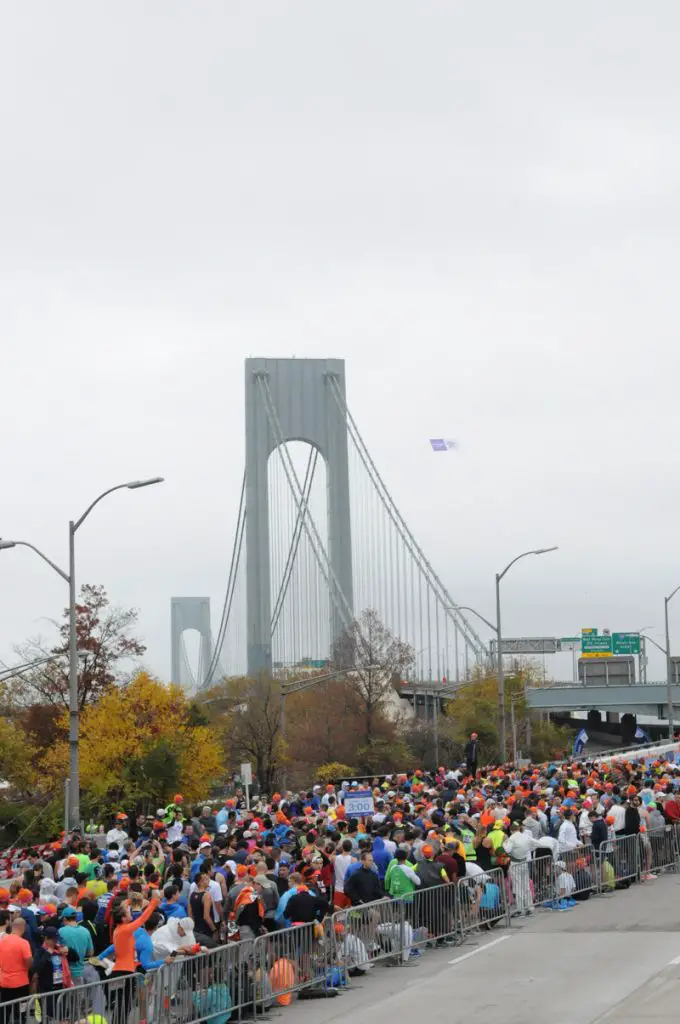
(580, 741)
(442, 444)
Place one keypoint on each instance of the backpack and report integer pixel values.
(608, 876)
(430, 874)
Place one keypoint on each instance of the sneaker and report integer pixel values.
(649, 878)
(415, 952)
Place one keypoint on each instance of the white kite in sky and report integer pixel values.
(442, 444)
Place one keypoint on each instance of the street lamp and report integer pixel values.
(669, 665)
(467, 608)
(642, 657)
(70, 577)
(501, 677)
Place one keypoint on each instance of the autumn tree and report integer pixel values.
(106, 640)
(17, 757)
(247, 713)
(374, 660)
(475, 709)
(138, 745)
(325, 723)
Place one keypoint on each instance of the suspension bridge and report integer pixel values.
(318, 539)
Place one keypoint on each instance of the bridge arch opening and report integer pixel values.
(300, 599)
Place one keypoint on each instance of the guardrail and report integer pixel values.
(247, 979)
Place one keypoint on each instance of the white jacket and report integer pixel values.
(519, 845)
(567, 836)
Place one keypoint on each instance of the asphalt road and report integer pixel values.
(615, 958)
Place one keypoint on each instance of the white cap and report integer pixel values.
(204, 846)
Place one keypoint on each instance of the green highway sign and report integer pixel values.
(588, 631)
(595, 646)
(626, 643)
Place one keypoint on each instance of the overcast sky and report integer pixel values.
(475, 205)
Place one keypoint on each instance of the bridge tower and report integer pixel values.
(291, 400)
(189, 613)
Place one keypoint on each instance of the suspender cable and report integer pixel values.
(414, 548)
(231, 585)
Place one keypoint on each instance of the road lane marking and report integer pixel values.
(474, 952)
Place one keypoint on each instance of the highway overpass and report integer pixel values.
(636, 698)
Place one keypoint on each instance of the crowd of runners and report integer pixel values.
(156, 889)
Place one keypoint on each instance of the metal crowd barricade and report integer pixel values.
(581, 868)
(543, 877)
(369, 933)
(658, 850)
(519, 876)
(191, 989)
(676, 843)
(431, 916)
(18, 1011)
(195, 988)
(120, 999)
(288, 961)
(481, 901)
(624, 856)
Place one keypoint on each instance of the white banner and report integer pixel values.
(358, 805)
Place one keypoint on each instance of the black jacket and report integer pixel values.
(471, 751)
(600, 833)
(304, 907)
(632, 821)
(363, 886)
(42, 968)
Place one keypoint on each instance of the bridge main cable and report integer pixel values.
(442, 595)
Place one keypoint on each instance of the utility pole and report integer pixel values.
(513, 727)
(669, 665)
(435, 707)
(70, 578)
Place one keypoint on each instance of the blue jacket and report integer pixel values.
(169, 910)
(381, 857)
(143, 951)
(280, 917)
(31, 928)
(195, 867)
